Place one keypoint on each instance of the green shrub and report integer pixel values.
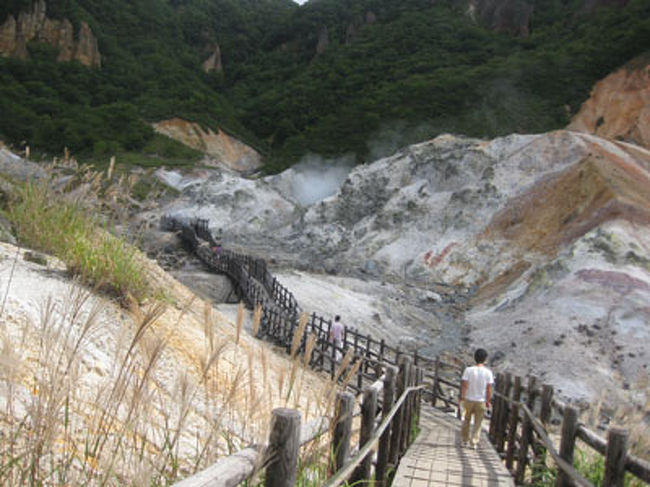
(51, 222)
(590, 465)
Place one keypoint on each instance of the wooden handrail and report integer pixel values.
(563, 464)
(240, 466)
(349, 467)
(636, 466)
(227, 472)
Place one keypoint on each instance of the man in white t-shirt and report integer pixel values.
(336, 335)
(475, 394)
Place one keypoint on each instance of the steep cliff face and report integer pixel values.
(352, 29)
(323, 41)
(514, 16)
(510, 16)
(227, 150)
(15, 33)
(619, 105)
(213, 62)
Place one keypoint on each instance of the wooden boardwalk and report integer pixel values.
(436, 457)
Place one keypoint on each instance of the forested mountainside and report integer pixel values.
(331, 76)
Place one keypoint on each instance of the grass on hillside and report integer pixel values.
(66, 419)
(159, 151)
(60, 224)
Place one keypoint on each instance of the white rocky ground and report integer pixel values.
(536, 246)
(61, 349)
(583, 319)
(374, 307)
(548, 234)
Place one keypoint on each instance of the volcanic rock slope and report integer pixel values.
(549, 234)
(619, 105)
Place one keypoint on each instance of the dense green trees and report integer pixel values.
(426, 68)
(403, 70)
(149, 71)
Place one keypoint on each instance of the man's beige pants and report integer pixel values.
(476, 409)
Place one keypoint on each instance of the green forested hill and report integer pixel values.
(392, 73)
(425, 68)
(152, 52)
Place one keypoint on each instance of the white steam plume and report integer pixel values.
(316, 178)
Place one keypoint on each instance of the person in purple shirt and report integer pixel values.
(336, 335)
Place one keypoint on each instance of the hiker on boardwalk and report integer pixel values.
(216, 249)
(475, 395)
(336, 336)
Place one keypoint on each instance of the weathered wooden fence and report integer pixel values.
(521, 431)
(280, 312)
(519, 426)
(386, 424)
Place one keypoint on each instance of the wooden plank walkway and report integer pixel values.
(436, 457)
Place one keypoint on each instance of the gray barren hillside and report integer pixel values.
(535, 246)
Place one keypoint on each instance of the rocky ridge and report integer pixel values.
(226, 150)
(213, 62)
(619, 105)
(15, 33)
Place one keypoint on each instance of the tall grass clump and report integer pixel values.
(51, 221)
(88, 401)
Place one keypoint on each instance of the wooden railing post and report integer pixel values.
(615, 454)
(332, 360)
(398, 419)
(284, 442)
(502, 419)
(289, 335)
(496, 408)
(547, 402)
(368, 412)
(567, 443)
(405, 414)
(342, 430)
(368, 353)
(544, 416)
(420, 395)
(383, 450)
(360, 374)
(459, 411)
(526, 431)
(410, 410)
(436, 372)
(514, 421)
